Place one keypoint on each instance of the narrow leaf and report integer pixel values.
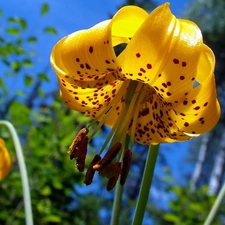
(31, 39)
(44, 9)
(50, 30)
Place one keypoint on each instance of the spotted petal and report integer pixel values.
(5, 160)
(164, 52)
(200, 111)
(86, 64)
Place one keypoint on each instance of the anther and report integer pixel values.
(109, 156)
(78, 149)
(112, 181)
(74, 147)
(90, 171)
(82, 152)
(126, 166)
(110, 170)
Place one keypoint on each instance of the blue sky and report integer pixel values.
(68, 16)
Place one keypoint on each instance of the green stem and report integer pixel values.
(216, 206)
(118, 192)
(117, 204)
(146, 185)
(23, 172)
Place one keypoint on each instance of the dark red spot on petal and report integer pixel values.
(182, 77)
(186, 124)
(149, 66)
(205, 104)
(138, 55)
(175, 61)
(184, 64)
(90, 49)
(197, 108)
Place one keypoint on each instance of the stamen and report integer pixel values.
(91, 171)
(78, 149)
(82, 154)
(110, 170)
(112, 181)
(77, 143)
(109, 156)
(126, 166)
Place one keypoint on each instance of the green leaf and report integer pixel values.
(52, 219)
(16, 66)
(171, 217)
(1, 13)
(46, 191)
(43, 77)
(50, 30)
(27, 63)
(44, 9)
(20, 21)
(13, 31)
(28, 80)
(31, 39)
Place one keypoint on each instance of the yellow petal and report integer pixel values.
(200, 111)
(164, 52)
(5, 160)
(85, 62)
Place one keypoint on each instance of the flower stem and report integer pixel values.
(146, 185)
(23, 172)
(216, 206)
(117, 204)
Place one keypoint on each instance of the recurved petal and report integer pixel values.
(200, 111)
(164, 52)
(5, 160)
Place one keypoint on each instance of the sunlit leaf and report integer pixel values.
(28, 80)
(16, 66)
(44, 9)
(13, 31)
(43, 77)
(31, 39)
(22, 23)
(52, 219)
(50, 30)
(1, 13)
(27, 63)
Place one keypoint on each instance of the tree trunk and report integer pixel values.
(217, 173)
(201, 158)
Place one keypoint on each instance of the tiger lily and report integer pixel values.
(159, 89)
(5, 160)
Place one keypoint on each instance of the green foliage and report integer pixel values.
(46, 130)
(191, 207)
(44, 8)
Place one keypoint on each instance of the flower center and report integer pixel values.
(117, 159)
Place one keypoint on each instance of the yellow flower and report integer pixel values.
(160, 88)
(5, 160)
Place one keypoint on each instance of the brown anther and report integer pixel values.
(109, 156)
(81, 154)
(126, 166)
(78, 143)
(111, 170)
(112, 181)
(90, 171)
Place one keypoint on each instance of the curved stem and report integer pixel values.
(23, 172)
(216, 206)
(146, 185)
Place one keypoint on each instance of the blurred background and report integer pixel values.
(188, 175)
